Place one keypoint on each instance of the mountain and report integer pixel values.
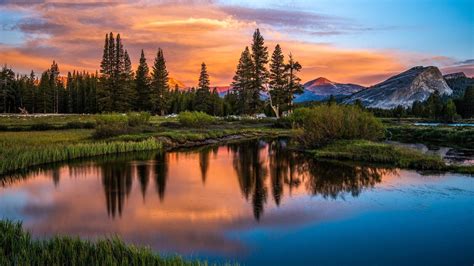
(172, 82)
(321, 89)
(222, 90)
(456, 75)
(415, 84)
(458, 82)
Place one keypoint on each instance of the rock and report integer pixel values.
(415, 84)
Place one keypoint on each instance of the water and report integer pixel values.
(445, 124)
(254, 202)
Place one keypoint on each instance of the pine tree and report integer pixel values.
(243, 82)
(142, 85)
(119, 100)
(53, 86)
(468, 102)
(294, 85)
(159, 84)
(104, 94)
(277, 81)
(7, 79)
(29, 93)
(434, 105)
(44, 97)
(450, 111)
(203, 94)
(260, 73)
(127, 78)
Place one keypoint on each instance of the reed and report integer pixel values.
(17, 247)
(22, 157)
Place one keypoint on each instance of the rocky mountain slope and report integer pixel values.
(415, 84)
(321, 89)
(458, 82)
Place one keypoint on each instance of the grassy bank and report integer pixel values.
(381, 153)
(23, 149)
(17, 247)
(440, 135)
(20, 157)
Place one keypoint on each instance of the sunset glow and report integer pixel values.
(364, 45)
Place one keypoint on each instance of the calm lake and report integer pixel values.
(253, 202)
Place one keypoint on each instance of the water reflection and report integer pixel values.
(256, 202)
(253, 162)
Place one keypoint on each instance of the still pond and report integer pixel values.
(254, 202)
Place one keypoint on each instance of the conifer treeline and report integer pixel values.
(119, 89)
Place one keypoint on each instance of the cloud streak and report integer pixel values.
(190, 32)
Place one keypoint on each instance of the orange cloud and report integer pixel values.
(190, 33)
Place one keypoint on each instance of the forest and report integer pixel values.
(116, 87)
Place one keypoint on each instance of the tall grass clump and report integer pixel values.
(374, 152)
(17, 247)
(325, 124)
(195, 119)
(15, 159)
(110, 125)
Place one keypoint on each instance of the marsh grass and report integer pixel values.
(459, 136)
(17, 247)
(20, 157)
(374, 152)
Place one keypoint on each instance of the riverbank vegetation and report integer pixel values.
(18, 157)
(18, 247)
(439, 135)
(380, 153)
(324, 124)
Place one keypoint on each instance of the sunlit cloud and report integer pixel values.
(190, 32)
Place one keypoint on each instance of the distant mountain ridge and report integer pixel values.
(458, 82)
(415, 84)
(322, 88)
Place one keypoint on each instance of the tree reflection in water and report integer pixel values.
(251, 172)
(290, 169)
(117, 183)
(252, 162)
(161, 173)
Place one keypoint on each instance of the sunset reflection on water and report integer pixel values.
(193, 202)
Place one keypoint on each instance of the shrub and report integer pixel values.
(78, 125)
(195, 119)
(137, 119)
(326, 123)
(110, 125)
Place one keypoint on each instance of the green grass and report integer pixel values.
(21, 157)
(374, 152)
(58, 122)
(17, 247)
(441, 135)
(42, 122)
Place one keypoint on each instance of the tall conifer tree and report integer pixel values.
(277, 81)
(142, 85)
(243, 82)
(294, 86)
(159, 84)
(260, 73)
(203, 93)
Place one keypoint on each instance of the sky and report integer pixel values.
(350, 41)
